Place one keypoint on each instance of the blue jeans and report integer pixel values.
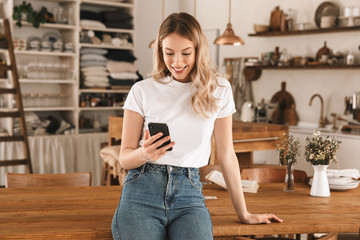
(162, 202)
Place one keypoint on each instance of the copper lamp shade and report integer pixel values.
(152, 44)
(229, 37)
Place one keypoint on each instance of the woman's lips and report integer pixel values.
(179, 70)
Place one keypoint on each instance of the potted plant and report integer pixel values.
(287, 150)
(25, 11)
(320, 153)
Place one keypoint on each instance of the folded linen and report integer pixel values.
(93, 68)
(95, 84)
(92, 57)
(121, 55)
(116, 16)
(91, 23)
(122, 25)
(95, 74)
(92, 63)
(93, 51)
(124, 82)
(124, 75)
(91, 15)
(120, 66)
(98, 79)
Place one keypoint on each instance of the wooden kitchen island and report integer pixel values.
(253, 136)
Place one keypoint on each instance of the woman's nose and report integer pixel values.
(179, 59)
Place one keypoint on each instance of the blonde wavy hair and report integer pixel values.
(203, 75)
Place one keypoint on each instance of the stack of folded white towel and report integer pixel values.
(93, 67)
(122, 73)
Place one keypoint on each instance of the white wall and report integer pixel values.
(333, 85)
(148, 20)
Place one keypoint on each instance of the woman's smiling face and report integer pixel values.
(179, 56)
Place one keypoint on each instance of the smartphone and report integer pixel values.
(155, 128)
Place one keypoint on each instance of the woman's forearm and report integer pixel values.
(231, 172)
(132, 158)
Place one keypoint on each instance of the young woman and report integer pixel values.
(162, 195)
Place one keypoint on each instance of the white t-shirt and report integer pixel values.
(170, 103)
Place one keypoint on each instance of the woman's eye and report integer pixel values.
(186, 54)
(169, 54)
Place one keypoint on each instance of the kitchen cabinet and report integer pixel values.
(50, 78)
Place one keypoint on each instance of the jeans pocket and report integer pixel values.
(132, 176)
(194, 180)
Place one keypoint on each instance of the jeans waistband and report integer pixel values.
(167, 169)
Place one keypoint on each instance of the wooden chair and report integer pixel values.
(112, 172)
(271, 174)
(330, 236)
(14, 180)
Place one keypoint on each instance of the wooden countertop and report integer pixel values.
(249, 130)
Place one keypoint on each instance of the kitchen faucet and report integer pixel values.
(323, 121)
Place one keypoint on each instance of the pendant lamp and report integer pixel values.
(229, 37)
(152, 44)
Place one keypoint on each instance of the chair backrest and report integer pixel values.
(330, 236)
(14, 180)
(271, 174)
(115, 130)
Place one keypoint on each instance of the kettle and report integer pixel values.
(247, 112)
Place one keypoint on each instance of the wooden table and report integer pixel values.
(86, 212)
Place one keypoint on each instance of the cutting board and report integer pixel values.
(285, 112)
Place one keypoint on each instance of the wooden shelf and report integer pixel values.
(125, 90)
(304, 32)
(51, 25)
(108, 3)
(322, 66)
(110, 30)
(47, 81)
(48, 109)
(40, 53)
(89, 45)
(100, 108)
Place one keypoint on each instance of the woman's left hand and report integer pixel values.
(260, 218)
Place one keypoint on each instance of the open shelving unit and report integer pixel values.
(69, 87)
(305, 32)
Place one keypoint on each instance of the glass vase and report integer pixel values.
(289, 184)
(320, 184)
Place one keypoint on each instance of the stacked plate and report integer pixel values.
(342, 183)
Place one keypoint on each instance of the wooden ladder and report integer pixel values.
(19, 111)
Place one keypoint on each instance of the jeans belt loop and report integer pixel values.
(143, 168)
(188, 172)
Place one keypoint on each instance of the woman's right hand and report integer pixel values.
(150, 147)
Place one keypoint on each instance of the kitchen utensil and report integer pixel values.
(326, 9)
(247, 112)
(259, 28)
(275, 19)
(285, 112)
(323, 51)
(251, 74)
